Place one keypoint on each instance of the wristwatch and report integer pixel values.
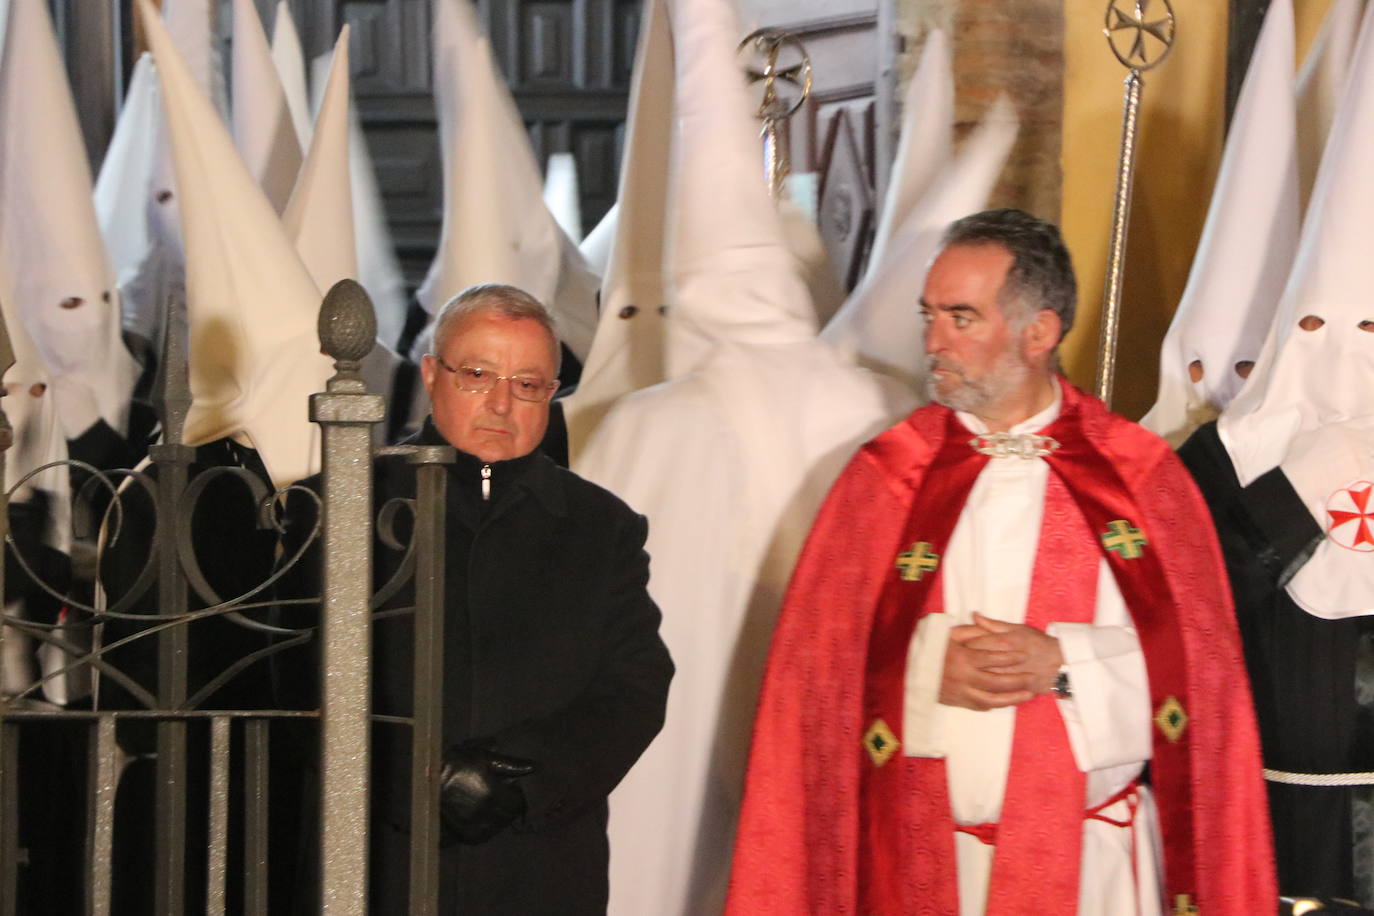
(1061, 684)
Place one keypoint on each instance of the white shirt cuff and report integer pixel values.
(923, 718)
(1108, 717)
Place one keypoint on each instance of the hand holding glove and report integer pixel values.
(478, 791)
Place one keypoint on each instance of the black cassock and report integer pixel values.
(1307, 675)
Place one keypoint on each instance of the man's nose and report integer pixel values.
(499, 398)
(934, 338)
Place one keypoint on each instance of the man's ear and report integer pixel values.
(1041, 334)
(429, 367)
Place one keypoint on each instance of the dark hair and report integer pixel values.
(1041, 273)
(499, 298)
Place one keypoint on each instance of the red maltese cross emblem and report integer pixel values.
(1350, 517)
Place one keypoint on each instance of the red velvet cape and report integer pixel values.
(797, 845)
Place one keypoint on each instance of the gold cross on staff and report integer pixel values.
(1123, 539)
(1183, 905)
(916, 562)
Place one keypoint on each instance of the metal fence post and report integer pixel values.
(346, 413)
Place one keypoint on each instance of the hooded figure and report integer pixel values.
(1288, 471)
(264, 131)
(1320, 82)
(62, 282)
(496, 229)
(1246, 249)
(629, 350)
(729, 458)
(320, 217)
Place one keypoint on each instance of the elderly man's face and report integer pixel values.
(494, 426)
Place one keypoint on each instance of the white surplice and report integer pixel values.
(987, 569)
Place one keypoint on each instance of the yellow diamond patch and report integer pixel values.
(1171, 718)
(880, 743)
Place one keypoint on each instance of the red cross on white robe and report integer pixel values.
(1347, 506)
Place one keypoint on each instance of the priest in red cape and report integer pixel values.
(1006, 677)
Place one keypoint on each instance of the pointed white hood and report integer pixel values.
(924, 144)
(63, 284)
(32, 413)
(629, 350)
(263, 129)
(252, 306)
(1319, 86)
(121, 188)
(319, 216)
(562, 194)
(596, 247)
(733, 277)
(496, 226)
(194, 27)
(880, 327)
(290, 63)
(1306, 407)
(1246, 249)
(379, 271)
(139, 213)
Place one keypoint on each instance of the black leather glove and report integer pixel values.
(478, 792)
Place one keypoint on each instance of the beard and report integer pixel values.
(960, 391)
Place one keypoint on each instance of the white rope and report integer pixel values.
(1319, 779)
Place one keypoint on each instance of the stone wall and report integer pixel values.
(1002, 47)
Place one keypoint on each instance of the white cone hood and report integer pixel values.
(1307, 408)
(319, 216)
(263, 129)
(1246, 249)
(596, 247)
(379, 271)
(1319, 85)
(496, 226)
(924, 144)
(252, 306)
(290, 62)
(32, 413)
(880, 327)
(194, 27)
(63, 284)
(732, 275)
(629, 351)
(562, 194)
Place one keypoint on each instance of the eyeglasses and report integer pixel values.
(476, 380)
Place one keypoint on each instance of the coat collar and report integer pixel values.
(535, 473)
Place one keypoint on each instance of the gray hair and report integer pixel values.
(1041, 273)
(494, 298)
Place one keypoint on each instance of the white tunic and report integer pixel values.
(988, 566)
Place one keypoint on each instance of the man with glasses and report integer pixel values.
(554, 675)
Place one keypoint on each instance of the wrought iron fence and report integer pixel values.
(178, 776)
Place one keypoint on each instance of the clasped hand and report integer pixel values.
(991, 664)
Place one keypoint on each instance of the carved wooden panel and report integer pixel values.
(837, 133)
(845, 213)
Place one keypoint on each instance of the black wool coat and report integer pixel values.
(551, 653)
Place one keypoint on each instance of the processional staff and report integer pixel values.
(1141, 44)
(765, 47)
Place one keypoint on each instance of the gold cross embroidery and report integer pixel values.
(914, 563)
(1122, 539)
(1183, 905)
